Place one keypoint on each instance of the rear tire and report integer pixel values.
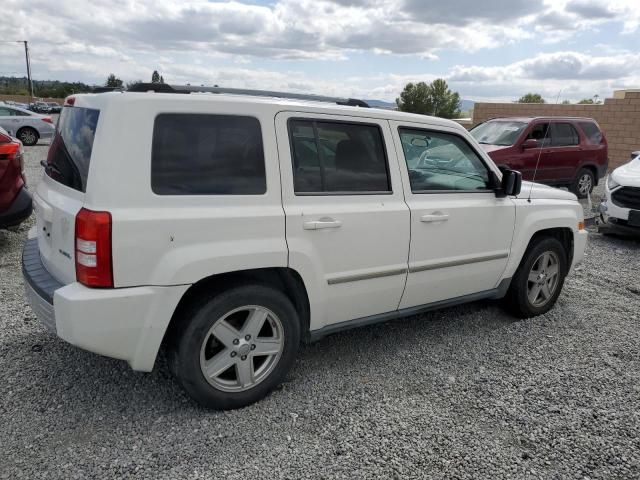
(232, 348)
(539, 279)
(583, 183)
(28, 136)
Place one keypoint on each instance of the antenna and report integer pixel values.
(546, 132)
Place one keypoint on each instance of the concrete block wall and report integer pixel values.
(618, 117)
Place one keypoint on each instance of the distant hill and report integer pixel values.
(465, 105)
(381, 104)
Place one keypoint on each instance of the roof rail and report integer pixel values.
(166, 88)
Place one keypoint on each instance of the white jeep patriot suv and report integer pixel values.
(229, 227)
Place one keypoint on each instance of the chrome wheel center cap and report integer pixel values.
(244, 349)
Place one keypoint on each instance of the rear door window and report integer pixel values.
(564, 135)
(203, 154)
(338, 158)
(70, 151)
(592, 132)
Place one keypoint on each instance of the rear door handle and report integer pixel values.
(434, 217)
(322, 223)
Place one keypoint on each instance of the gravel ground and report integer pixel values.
(466, 392)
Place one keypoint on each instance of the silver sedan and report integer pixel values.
(28, 126)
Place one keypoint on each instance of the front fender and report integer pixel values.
(539, 215)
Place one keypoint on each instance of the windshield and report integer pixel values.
(70, 151)
(503, 133)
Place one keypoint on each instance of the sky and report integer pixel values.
(487, 50)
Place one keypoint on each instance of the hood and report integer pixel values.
(545, 192)
(493, 148)
(628, 175)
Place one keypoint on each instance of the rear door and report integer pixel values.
(6, 120)
(460, 231)
(60, 195)
(347, 225)
(562, 157)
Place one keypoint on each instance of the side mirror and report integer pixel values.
(511, 182)
(530, 143)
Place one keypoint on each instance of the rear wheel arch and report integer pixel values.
(21, 130)
(286, 280)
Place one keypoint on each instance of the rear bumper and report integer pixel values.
(19, 210)
(123, 323)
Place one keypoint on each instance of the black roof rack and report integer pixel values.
(166, 88)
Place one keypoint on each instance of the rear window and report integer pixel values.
(202, 154)
(591, 131)
(70, 151)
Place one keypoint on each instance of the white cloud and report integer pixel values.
(200, 41)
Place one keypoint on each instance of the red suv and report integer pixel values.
(567, 151)
(15, 201)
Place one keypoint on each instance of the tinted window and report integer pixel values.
(591, 131)
(18, 113)
(563, 134)
(5, 112)
(70, 151)
(338, 157)
(442, 161)
(195, 154)
(540, 132)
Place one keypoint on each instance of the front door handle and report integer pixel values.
(322, 223)
(434, 217)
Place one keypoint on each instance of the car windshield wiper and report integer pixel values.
(50, 167)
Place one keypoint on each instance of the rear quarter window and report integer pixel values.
(591, 131)
(70, 152)
(204, 154)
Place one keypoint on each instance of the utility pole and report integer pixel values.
(26, 54)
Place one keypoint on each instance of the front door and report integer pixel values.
(460, 231)
(347, 225)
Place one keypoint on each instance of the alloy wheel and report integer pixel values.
(28, 137)
(585, 184)
(543, 279)
(242, 348)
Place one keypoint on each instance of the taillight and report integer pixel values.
(47, 120)
(93, 248)
(69, 101)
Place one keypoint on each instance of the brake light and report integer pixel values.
(69, 101)
(93, 248)
(47, 120)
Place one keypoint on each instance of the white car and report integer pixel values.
(230, 227)
(620, 210)
(27, 126)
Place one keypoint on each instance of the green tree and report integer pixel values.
(131, 84)
(590, 101)
(531, 98)
(430, 99)
(155, 77)
(113, 81)
(566, 102)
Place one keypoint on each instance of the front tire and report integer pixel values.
(236, 346)
(539, 279)
(28, 136)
